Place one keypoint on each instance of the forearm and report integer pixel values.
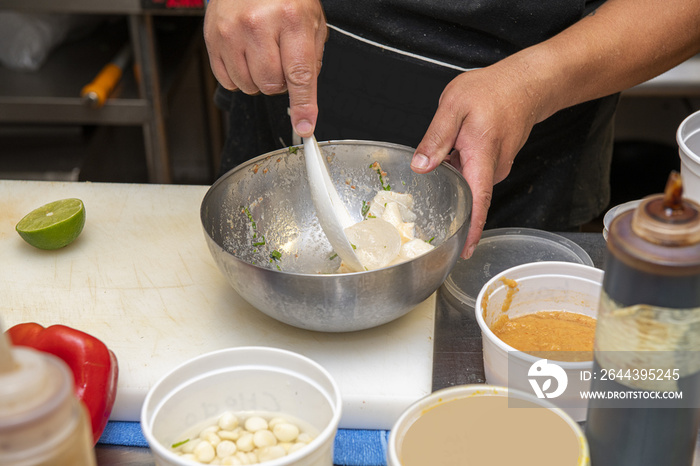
(624, 43)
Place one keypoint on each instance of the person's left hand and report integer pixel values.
(483, 119)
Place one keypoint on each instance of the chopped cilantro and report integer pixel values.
(275, 255)
(254, 226)
(375, 166)
(293, 150)
(178, 444)
(250, 217)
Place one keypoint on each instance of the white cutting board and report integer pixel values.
(141, 279)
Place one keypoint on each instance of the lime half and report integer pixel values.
(53, 225)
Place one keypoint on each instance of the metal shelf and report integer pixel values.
(52, 95)
(86, 6)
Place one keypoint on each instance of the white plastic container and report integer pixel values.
(243, 379)
(542, 286)
(493, 429)
(614, 212)
(688, 138)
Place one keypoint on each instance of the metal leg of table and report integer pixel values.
(146, 59)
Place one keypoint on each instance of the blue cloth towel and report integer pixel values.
(353, 447)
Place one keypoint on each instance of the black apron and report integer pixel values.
(560, 178)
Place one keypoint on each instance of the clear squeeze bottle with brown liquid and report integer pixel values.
(647, 344)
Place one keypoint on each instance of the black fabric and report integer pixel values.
(560, 179)
(467, 33)
(256, 125)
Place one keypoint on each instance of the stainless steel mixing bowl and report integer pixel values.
(261, 228)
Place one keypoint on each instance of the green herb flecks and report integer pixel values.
(250, 217)
(261, 241)
(276, 256)
(179, 444)
(293, 150)
(377, 168)
(333, 257)
(430, 240)
(365, 209)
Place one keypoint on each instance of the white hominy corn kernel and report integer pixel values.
(255, 423)
(234, 434)
(286, 445)
(231, 461)
(286, 432)
(188, 447)
(228, 421)
(225, 448)
(245, 442)
(208, 430)
(271, 453)
(212, 438)
(235, 441)
(204, 452)
(274, 421)
(242, 457)
(264, 438)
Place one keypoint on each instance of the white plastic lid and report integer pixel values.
(502, 248)
(615, 211)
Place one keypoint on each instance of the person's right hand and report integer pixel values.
(269, 47)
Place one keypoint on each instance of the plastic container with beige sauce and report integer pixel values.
(485, 424)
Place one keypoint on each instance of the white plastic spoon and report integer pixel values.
(332, 214)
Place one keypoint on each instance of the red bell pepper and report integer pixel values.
(94, 366)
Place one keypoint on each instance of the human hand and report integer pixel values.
(483, 119)
(269, 47)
